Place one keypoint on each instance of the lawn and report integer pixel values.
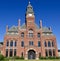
(37, 60)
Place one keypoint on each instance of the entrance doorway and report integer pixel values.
(31, 54)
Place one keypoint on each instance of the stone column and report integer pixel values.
(37, 56)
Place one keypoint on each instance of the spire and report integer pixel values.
(29, 8)
(6, 28)
(18, 22)
(40, 23)
(29, 1)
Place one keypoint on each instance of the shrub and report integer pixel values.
(49, 58)
(1, 57)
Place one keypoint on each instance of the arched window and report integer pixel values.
(22, 34)
(49, 44)
(38, 35)
(45, 44)
(7, 44)
(11, 43)
(52, 44)
(6, 52)
(30, 33)
(22, 43)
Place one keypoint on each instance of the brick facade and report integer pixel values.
(29, 38)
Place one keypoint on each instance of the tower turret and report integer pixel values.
(29, 15)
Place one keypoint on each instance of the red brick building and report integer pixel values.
(29, 40)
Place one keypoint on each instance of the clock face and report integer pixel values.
(30, 14)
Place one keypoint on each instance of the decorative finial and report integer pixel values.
(29, 1)
(40, 23)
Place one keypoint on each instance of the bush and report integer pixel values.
(1, 57)
(49, 57)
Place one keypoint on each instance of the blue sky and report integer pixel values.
(47, 10)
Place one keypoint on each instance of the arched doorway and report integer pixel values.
(31, 54)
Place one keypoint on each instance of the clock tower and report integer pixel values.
(30, 16)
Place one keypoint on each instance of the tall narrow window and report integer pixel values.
(50, 53)
(22, 34)
(11, 52)
(31, 43)
(45, 44)
(22, 54)
(49, 44)
(46, 53)
(53, 52)
(39, 44)
(11, 43)
(14, 52)
(52, 44)
(39, 55)
(6, 52)
(15, 43)
(38, 35)
(22, 43)
(7, 44)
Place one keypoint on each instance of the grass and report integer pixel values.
(37, 60)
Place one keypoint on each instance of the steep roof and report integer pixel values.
(13, 29)
(46, 29)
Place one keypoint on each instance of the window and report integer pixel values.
(11, 52)
(14, 52)
(46, 53)
(38, 35)
(22, 44)
(45, 44)
(22, 54)
(7, 43)
(39, 44)
(53, 52)
(11, 43)
(22, 34)
(49, 44)
(15, 43)
(30, 33)
(31, 43)
(52, 44)
(39, 55)
(6, 52)
(50, 53)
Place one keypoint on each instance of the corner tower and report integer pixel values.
(30, 17)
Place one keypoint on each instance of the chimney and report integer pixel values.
(40, 23)
(7, 28)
